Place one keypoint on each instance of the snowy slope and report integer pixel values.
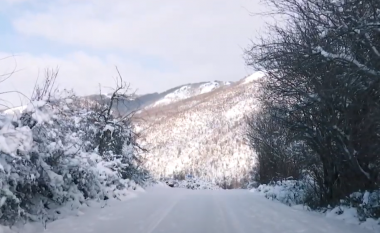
(202, 135)
(187, 91)
(207, 87)
(253, 77)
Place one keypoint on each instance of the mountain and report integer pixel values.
(140, 102)
(199, 129)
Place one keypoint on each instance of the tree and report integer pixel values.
(323, 76)
(278, 155)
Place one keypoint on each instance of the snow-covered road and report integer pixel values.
(168, 210)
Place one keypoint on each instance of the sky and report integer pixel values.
(156, 44)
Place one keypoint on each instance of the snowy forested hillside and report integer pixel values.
(202, 135)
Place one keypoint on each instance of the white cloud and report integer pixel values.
(200, 40)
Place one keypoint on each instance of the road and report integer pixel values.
(167, 210)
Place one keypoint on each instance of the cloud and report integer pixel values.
(157, 44)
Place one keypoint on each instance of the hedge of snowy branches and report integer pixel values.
(64, 152)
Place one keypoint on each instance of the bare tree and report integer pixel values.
(278, 155)
(323, 77)
(114, 130)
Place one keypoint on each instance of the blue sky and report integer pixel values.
(155, 44)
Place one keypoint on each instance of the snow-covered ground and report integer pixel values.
(292, 193)
(164, 209)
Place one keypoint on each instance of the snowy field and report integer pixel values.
(164, 209)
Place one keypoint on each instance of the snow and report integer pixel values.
(109, 128)
(14, 139)
(366, 198)
(207, 87)
(15, 110)
(292, 193)
(187, 211)
(179, 94)
(348, 58)
(253, 77)
(2, 201)
(188, 91)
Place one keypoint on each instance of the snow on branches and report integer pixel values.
(63, 152)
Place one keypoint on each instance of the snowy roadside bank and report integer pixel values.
(290, 193)
(87, 213)
(69, 217)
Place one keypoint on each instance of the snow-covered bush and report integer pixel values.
(196, 184)
(290, 192)
(193, 183)
(366, 203)
(63, 152)
(359, 207)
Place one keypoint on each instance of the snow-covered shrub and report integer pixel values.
(290, 192)
(366, 203)
(21, 184)
(194, 184)
(63, 152)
